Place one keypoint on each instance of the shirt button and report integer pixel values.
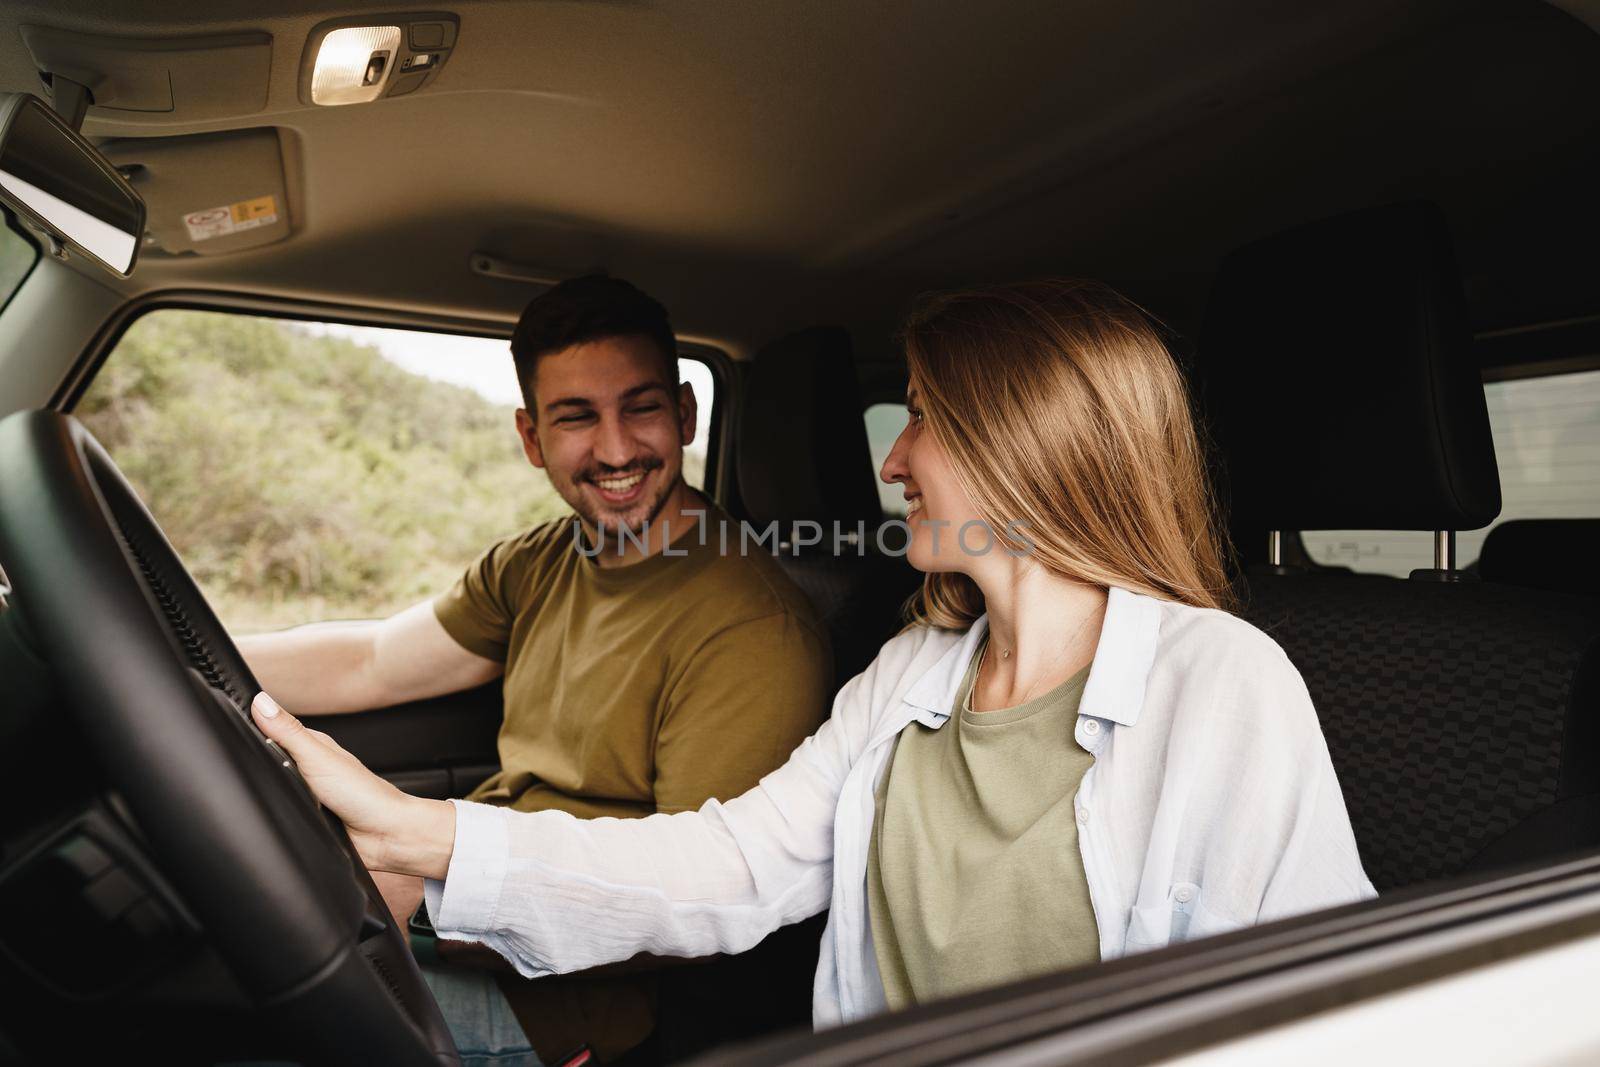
(1091, 726)
(1083, 816)
(1184, 894)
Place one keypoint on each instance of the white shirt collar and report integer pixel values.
(1115, 689)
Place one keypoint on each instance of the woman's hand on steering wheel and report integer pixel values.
(391, 830)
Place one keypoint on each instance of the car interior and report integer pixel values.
(1349, 222)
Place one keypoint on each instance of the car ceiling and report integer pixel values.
(762, 167)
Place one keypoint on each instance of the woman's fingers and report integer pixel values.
(359, 797)
(392, 831)
(306, 746)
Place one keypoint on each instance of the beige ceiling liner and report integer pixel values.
(762, 167)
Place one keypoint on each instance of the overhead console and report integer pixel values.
(139, 82)
(359, 59)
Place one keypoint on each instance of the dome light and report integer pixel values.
(353, 64)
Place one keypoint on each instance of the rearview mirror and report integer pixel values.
(63, 184)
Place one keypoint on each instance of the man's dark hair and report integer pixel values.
(585, 309)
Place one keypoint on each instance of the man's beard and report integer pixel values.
(639, 516)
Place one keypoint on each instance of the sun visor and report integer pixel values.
(150, 80)
(209, 193)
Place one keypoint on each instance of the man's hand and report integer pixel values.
(392, 831)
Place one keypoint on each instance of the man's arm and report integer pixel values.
(326, 668)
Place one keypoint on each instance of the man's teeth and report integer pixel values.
(619, 485)
(913, 505)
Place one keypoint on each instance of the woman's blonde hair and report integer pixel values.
(1063, 413)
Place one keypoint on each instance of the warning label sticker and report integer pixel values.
(231, 218)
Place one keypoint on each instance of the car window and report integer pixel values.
(1547, 444)
(18, 254)
(884, 423)
(312, 471)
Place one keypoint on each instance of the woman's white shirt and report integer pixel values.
(1211, 805)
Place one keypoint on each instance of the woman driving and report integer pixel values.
(1074, 751)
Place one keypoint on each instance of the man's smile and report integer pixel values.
(620, 489)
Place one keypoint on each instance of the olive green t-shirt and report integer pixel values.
(644, 688)
(631, 690)
(973, 875)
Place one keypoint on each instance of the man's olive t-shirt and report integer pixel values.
(974, 877)
(630, 690)
(644, 688)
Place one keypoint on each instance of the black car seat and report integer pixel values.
(1463, 716)
(1553, 554)
(802, 458)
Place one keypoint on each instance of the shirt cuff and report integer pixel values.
(432, 892)
(465, 904)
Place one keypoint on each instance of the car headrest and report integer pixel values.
(801, 452)
(1554, 554)
(1339, 381)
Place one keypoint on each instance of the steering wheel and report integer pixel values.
(162, 699)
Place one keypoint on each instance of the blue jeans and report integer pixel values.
(481, 1021)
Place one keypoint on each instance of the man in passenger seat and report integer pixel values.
(646, 668)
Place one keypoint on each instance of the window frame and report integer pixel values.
(105, 340)
(1151, 1006)
(29, 238)
(1539, 349)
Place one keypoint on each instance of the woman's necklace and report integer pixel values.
(1005, 653)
